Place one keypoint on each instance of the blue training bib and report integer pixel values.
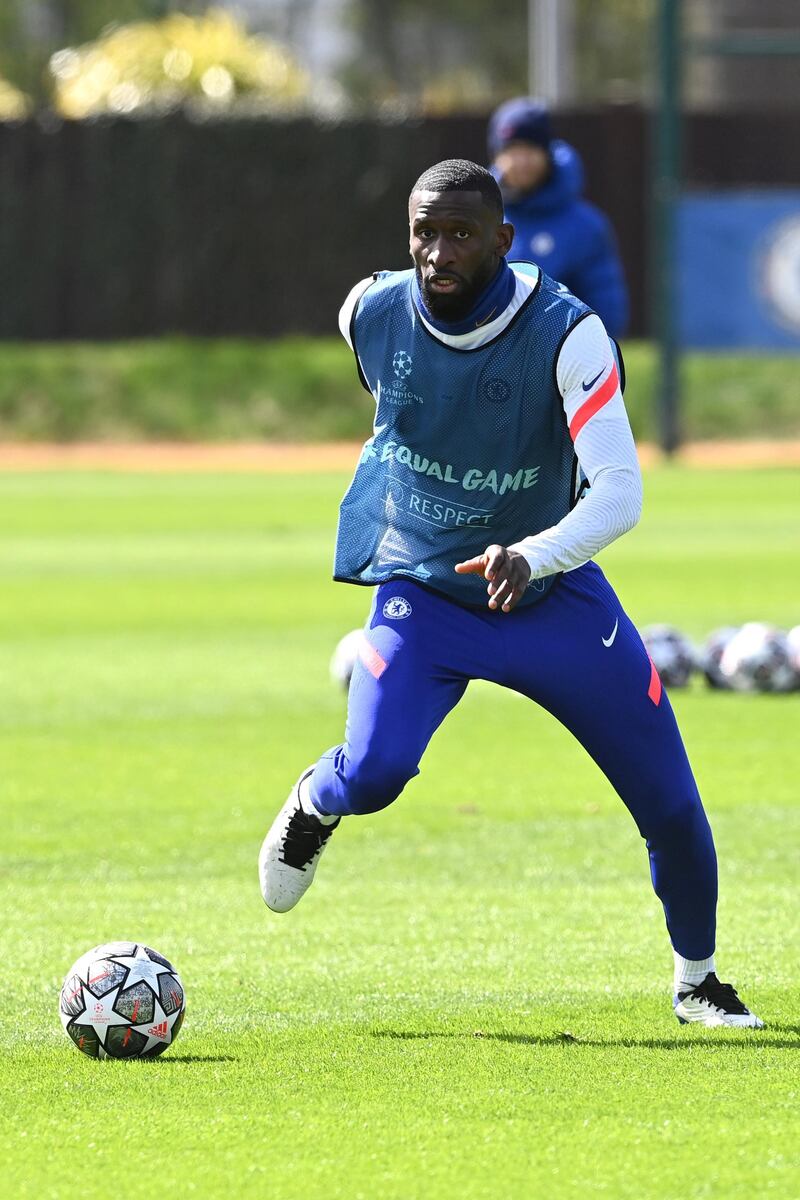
(469, 448)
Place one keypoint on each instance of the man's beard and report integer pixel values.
(452, 308)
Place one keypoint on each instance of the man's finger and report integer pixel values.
(495, 558)
(472, 566)
(499, 592)
(511, 601)
(498, 580)
(511, 594)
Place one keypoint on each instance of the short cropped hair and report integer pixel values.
(461, 175)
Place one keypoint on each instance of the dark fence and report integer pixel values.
(123, 228)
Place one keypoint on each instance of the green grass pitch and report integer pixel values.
(473, 999)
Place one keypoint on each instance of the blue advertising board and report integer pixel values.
(738, 269)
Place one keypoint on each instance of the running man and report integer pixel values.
(501, 462)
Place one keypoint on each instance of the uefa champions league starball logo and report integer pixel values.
(402, 364)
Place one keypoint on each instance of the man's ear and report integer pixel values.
(505, 236)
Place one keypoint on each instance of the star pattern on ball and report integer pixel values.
(141, 968)
(99, 1013)
(159, 1030)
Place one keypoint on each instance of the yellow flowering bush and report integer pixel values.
(161, 64)
(14, 104)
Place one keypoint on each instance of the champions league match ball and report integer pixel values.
(672, 654)
(122, 1000)
(793, 640)
(344, 659)
(711, 656)
(759, 659)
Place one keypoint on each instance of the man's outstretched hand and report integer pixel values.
(507, 571)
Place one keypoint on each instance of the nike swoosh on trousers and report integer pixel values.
(610, 640)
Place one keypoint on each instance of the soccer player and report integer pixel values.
(501, 462)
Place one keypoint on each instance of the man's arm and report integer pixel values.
(348, 310)
(588, 381)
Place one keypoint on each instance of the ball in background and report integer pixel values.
(672, 654)
(122, 1000)
(711, 656)
(759, 659)
(793, 640)
(344, 658)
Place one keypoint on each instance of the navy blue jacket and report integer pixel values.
(570, 239)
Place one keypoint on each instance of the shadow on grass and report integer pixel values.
(758, 1039)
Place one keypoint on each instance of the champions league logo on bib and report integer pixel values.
(396, 390)
(397, 608)
(402, 364)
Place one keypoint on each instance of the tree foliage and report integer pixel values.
(614, 43)
(160, 64)
(466, 54)
(120, 55)
(31, 32)
(14, 104)
(455, 55)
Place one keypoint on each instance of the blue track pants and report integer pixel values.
(420, 651)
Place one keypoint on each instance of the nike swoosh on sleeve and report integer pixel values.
(587, 387)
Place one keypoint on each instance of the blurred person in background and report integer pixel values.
(541, 179)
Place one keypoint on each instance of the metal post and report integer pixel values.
(666, 183)
(551, 50)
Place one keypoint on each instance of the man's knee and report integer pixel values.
(680, 822)
(375, 781)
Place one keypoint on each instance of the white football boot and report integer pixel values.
(713, 1003)
(291, 851)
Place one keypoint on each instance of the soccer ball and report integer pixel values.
(758, 659)
(793, 639)
(122, 1000)
(711, 655)
(344, 658)
(671, 652)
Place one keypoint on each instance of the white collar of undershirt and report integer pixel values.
(485, 333)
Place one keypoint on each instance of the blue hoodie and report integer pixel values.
(569, 238)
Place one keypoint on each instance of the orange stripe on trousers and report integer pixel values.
(654, 690)
(370, 658)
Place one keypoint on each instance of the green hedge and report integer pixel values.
(304, 389)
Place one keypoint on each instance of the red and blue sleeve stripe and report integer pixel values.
(595, 402)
